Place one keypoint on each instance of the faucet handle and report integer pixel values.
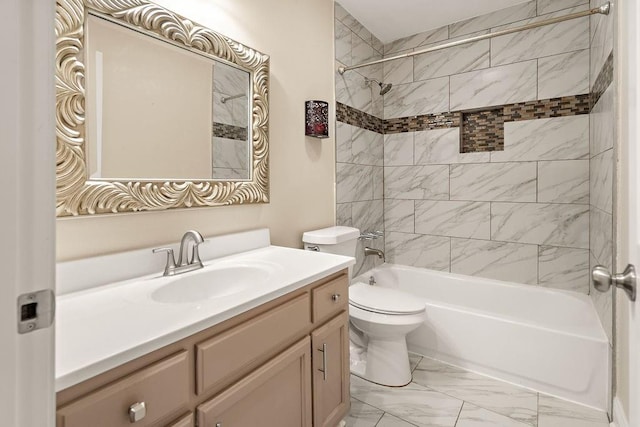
(171, 261)
(195, 253)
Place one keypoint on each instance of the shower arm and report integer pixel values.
(604, 10)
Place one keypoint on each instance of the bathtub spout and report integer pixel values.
(370, 251)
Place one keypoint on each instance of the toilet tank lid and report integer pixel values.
(331, 235)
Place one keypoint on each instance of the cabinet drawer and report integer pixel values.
(330, 298)
(276, 394)
(163, 387)
(186, 421)
(233, 353)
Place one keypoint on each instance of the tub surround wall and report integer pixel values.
(302, 170)
(602, 155)
(520, 213)
(359, 141)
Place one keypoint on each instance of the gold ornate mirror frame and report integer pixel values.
(76, 193)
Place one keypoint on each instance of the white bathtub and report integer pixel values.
(547, 340)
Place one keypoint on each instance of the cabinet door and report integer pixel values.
(276, 394)
(330, 344)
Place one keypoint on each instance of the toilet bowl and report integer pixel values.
(380, 318)
(385, 317)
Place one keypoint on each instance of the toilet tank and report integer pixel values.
(337, 240)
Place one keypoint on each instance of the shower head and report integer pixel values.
(384, 87)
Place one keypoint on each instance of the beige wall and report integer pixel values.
(298, 35)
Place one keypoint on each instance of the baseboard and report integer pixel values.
(619, 417)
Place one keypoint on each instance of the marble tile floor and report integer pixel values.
(442, 395)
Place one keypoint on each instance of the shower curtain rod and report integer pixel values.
(604, 10)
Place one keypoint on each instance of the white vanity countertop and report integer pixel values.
(103, 327)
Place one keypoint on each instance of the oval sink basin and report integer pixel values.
(210, 283)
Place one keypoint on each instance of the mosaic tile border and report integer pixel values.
(482, 130)
(423, 122)
(355, 117)
(540, 109)
(604, 79)
(223, 130)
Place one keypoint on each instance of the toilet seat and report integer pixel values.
(381, 300)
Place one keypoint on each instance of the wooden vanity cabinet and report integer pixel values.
(330, 344)
(282, 364)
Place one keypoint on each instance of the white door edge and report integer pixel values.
(27, 211)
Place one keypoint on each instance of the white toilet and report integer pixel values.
(380, 318)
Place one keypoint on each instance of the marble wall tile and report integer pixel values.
(601, 42)
(361, 51)
(563, 181)
(366, 147)
(548, 6)
(512, 262)
(601, 236)
(339, 11)
(352, 91)
(420, 39)
(399, 71)
(483, 22)
(563, 75)
(602, 123)
(541, 223)
(442, 146)
(377, 45)
(353, 182)
(494, 86)
(399, 215)
(344, 134)
(601, 181)
(378, 182)
(428, 96)
(459, 59)
(343, 43)
(343, 214)
(229, 80)
(222, 111)
(494, 182)
(603, 302)
(230, 173)
(455, 219)
(368, 215)
(354, 25)
(564, 268)
(548, 40)
(417, 182)
(418, 250)
(229, 153)
(558, 138)
(554, 412)
(398, 149)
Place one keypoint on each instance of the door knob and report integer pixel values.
(603, 279)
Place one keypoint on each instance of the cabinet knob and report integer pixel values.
(137, 412)
(335, 297)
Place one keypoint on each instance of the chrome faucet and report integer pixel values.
(370, 251)
(185, 263)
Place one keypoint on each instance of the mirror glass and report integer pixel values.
(158, 111)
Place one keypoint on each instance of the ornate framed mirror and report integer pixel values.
(154, 111)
